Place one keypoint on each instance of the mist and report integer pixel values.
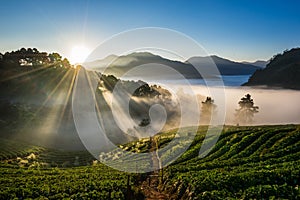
(276, 106)
(55, 124)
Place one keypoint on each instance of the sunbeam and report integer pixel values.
(67, 99)
(49, 118)
(26, 73)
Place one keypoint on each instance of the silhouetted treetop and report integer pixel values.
(208, 109)
(32, 57)
(246, 110)
(141, 88)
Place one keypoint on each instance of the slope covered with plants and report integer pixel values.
(246, 163)
(282, 71)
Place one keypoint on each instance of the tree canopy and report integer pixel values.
(207, 110)
(32, 57)
(247, 109)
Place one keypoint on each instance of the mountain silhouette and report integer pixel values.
(282, 71)
(258, 63)
(119, 65)
(225, 66)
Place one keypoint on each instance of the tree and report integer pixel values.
(207, 110)
(26, 57)
(246, 111)
(55, 57)
(66, 63)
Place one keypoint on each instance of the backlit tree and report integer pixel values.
(245, 113)
(207, 110)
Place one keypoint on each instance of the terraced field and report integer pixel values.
(29, 171)
(10, 149)
(246, 163)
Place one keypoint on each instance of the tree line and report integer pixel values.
(243, 115)
(32, 57)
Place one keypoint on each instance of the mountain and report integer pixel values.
(282, 71)
(150, 66)
(101, 62)
(225, 66)
(119, 65)
(258, 63)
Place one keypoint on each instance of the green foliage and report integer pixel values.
(246, 163)
(254, 162)
(135, 88)
(24, 91)
(97, 182)
(28, 171)
(31, 57)
(282, 71)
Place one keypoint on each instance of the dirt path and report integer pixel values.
(151, 191)
(150, 186)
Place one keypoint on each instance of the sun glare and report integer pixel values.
(79, 54)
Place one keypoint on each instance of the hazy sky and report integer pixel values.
(235, 29)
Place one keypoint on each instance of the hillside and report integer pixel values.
(33, 172)
(36, 100)
(283, 71)
(246, 163)
(119, 65)
(35, 91)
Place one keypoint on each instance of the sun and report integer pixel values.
(79, 54)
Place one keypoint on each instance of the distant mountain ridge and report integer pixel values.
(121, 64)
(225, 66)
(258, 63)
(118, 65)
(282, 71)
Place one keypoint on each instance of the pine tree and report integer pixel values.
(207, 110)
(245, 113)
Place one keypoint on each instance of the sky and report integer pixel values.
(240, 30)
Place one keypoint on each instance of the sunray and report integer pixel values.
(43, 74)
(57, 77)
(45, 122)
(56, 87)
(26, 73)
(33, 76)
(48, 98)
(67, 97)
(51, 122)
(93, 91)
(118, 108)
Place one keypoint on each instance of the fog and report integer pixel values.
(55, 123)
(276, 106)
